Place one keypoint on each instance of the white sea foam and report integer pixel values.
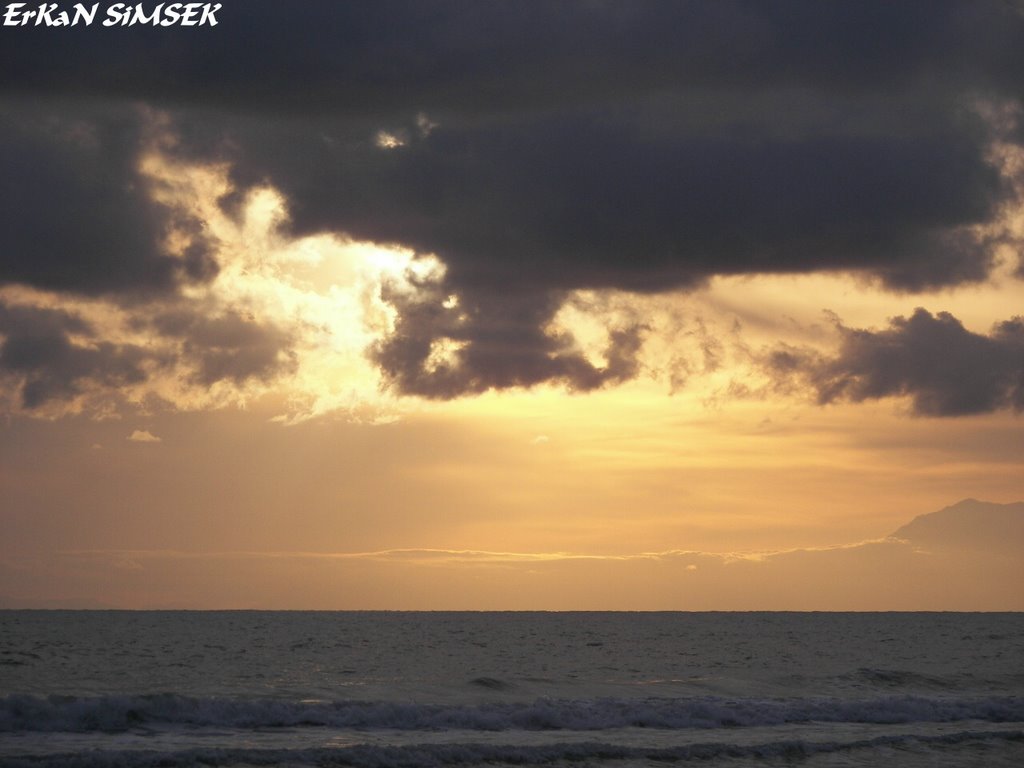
(426, 755)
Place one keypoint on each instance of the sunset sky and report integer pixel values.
(512, 305)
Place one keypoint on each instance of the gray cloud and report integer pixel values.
(944, 368)
(591, 201)
(228, 346)
(77, 214)
(37, 352)
(644, 147)
(498, 342)
(53, 356)
(461, 55)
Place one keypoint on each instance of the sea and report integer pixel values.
(397, 689)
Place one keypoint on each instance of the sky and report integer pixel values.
(512, 305)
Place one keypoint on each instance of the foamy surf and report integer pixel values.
(588, 752)
(121, 713)
(350, 689)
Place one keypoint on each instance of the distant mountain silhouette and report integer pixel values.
(969, 525)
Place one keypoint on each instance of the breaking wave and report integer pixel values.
(425, 755)
(120, 713)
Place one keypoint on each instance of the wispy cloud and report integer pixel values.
(437, 556)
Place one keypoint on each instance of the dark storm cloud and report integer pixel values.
(944, 368)
(325, 56)
(502, 344)
(53, 356)
(641, 146)
(594, 202)
(76, 214)
(227, 347)
(37, 352)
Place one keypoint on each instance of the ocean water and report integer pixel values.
(110, 688)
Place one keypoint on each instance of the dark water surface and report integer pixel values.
(98, 688)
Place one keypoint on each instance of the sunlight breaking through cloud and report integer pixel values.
(274, 316)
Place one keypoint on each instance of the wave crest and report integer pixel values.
(119, 713)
